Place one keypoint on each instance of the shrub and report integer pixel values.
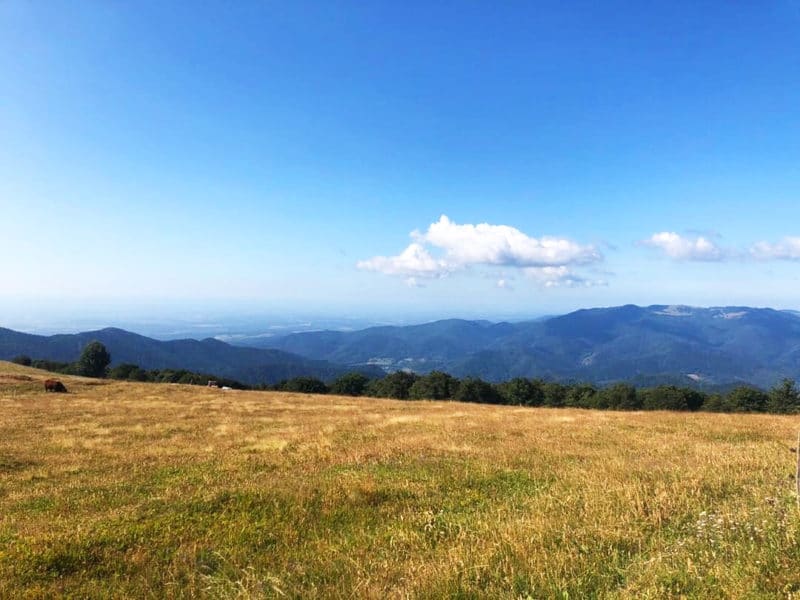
(128, 372)
(305, 385)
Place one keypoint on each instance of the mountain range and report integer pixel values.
(653, 344)
(705, 347)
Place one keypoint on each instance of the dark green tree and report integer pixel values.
(94, 360)
(747, 399)
(716, 403)
(473, 389)
(555, 394)
(350, 384)
(522, 392)
(784, 398)
(581, 395)
(436, 385)
(620, 396)
(663, 397)
(395, 385)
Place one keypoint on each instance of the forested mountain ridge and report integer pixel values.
(718, 345)
(248, 365)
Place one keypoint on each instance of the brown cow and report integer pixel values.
(54, 385)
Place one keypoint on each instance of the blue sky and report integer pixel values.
(398, 158)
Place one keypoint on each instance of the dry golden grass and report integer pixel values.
(152, 491)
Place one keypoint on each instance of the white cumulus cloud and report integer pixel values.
(502, 245)
(786, 249)
(447, 247)
(679, 247)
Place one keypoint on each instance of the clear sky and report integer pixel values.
(438, 158)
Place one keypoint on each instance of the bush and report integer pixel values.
(54, 366)
(305, 385)
(128, 372)
(22, 359)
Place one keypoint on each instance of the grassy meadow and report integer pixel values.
(124, 490)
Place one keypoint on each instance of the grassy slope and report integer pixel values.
(145, 490)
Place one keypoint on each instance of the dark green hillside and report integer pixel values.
(698, 346)
(249, 365)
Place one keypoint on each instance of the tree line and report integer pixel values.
(95, 360)
(783, 398)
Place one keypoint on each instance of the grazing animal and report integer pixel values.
(54, 385)
(212, 383)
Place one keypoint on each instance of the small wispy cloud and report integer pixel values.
(787, 249)
(551, 277)
(688, 248)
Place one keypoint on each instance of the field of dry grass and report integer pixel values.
(153, 491)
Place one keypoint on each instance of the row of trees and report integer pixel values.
(783, 398)
(93, 362)
(131, 372)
